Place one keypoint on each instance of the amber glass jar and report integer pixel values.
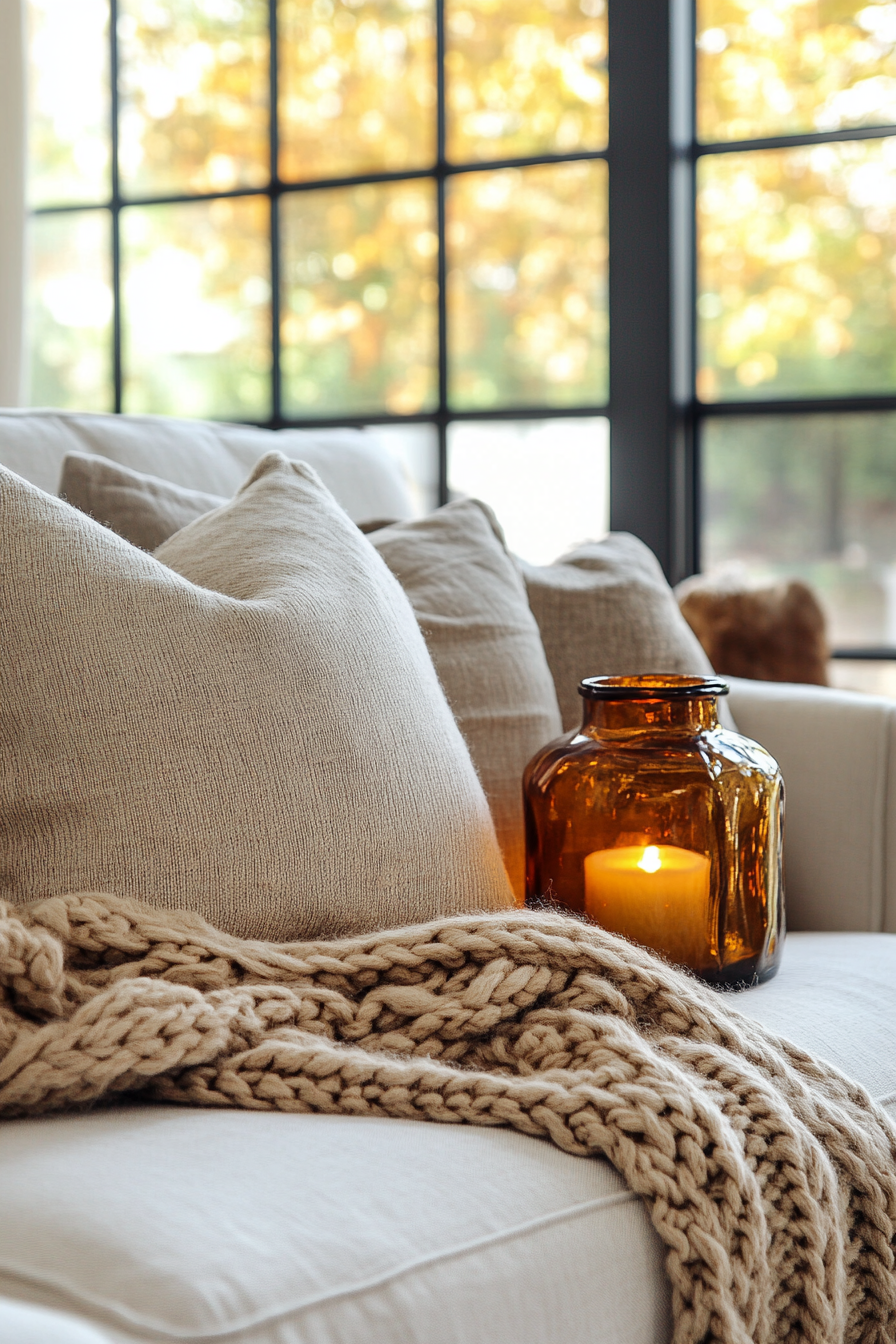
(661, 825)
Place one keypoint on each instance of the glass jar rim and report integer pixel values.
(651, 686)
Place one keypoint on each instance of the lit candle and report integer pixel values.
(656, 895)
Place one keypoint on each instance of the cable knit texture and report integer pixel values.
(769, 1176)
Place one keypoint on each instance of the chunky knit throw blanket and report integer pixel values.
(770, 1178)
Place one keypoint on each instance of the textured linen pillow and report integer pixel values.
(145, 510)
(472, 608)
(260, 737)
(606, 610)
(468, 597)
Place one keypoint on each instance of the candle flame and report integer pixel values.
(650, 861)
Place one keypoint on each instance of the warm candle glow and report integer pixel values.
(650, 861)
(656, 895)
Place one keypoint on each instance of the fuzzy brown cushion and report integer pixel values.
(769, 1176)
(770, 632)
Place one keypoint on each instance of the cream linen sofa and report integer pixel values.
(161, 1223)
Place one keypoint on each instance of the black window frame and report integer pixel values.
(689, 413)
(274, 191)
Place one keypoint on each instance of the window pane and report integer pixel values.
(813, 497)
(414, 448)
(797, 289)
(524, 77)
(194, 95)
(70, 311)
(527, 256)
(873, 678)
(357, 87)
(359, 326)
(784, 68)
(547, 480)
(196, 296)
(68, 102)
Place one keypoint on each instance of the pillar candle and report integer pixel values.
(656, 895)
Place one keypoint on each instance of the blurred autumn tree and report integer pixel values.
(797, 295)
(797, 291)
(796, 246)
(785, 67)
(357, 95)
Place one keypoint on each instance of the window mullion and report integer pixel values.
(641, 477)
(442, 413)
(117, 376)
(685, 484)
(274, 150)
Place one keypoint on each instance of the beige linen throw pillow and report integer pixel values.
(465, 590)
(145, 510)
(471, 605)
(259, 736)
(605, 610)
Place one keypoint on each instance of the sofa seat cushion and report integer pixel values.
(186, 1224)
(300, 1229)
(835, 996)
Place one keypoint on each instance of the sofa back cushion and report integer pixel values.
(252, 729)
(471, 605)
(203, 455)
(604, 610)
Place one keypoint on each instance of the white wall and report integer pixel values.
(12, 198)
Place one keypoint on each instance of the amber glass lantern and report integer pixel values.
(662, 826)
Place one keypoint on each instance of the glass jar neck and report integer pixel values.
(686, 716)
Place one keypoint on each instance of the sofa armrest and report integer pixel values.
(837, 751)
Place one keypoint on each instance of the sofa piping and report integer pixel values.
(122, 1315)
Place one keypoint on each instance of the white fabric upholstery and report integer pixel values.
(203, 455)
(299, 1229)
(21, 1323)
(837, 751)
(302, 1229)
(836, 996)
(12, 198)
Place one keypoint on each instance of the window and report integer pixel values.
(400, 219)
(794, 150)
(469, 238)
